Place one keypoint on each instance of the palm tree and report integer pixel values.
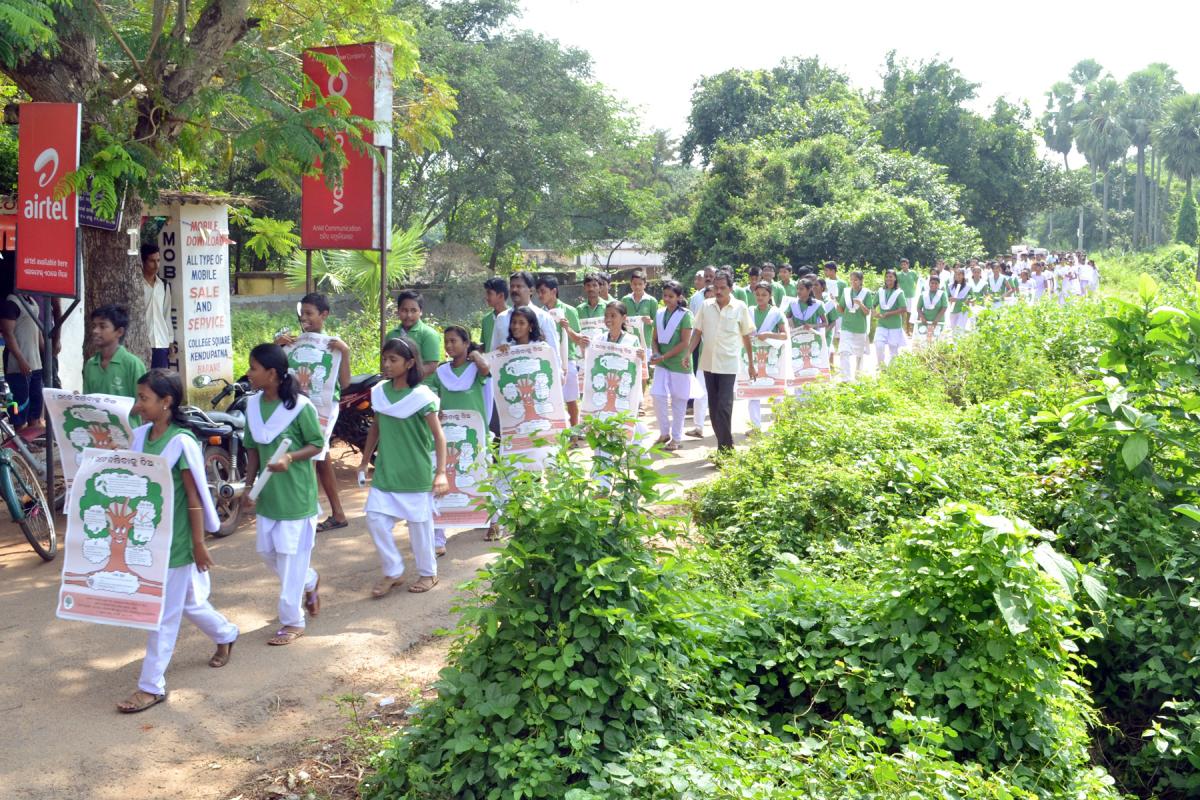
(1147, 91)
(1058, 120)
(1102, 138)
(357, 271)
(1179, 137)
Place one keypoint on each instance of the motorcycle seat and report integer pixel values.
(359, 383)
(203, 429)
(235, 419)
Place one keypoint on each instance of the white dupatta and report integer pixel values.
(891, 304)
(187, 448)
(406, 406)
(266, 431)
(666, 328)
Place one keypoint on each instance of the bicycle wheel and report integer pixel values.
(37, 520)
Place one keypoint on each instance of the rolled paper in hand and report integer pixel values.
(265, 475)
(362, 479)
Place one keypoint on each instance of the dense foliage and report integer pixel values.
(973, 576)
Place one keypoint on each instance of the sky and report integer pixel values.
(650, 53)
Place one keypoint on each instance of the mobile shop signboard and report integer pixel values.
(347, 217)
(48, 149)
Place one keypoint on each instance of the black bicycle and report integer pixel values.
(21, 476)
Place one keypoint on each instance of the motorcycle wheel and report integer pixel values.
(219, 468)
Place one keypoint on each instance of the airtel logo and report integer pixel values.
(48, 157)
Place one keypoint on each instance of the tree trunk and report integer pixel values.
(1104, 214)
(1166, 208)
(111, 275)
(1152, 216)
(1139, 200)
(1124, 183)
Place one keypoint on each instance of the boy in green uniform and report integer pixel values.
(567, 319)
(907, 280)
(639, 304)
(495, 294)
(592, 306)
(410, 305)
(113, 369)
(743, 293)
(784, 288)
(854, 305)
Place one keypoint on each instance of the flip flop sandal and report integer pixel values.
(492, 535)
(441, 551)
(154, 700)
(384, 586)
(216, 662)
(312, 600)
(331, 524)
(424, 584)
(285, 637)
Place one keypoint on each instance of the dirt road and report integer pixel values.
(59, 680)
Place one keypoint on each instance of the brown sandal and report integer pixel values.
(285, 636)
(139, 707)
(312, 600)
(493, 533)
(220, 659)
(383, 587)
(424, 584)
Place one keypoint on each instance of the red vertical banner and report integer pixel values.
(48, 149)
(348, 217)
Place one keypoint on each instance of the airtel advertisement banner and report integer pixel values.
(347, 217)
(48, 149)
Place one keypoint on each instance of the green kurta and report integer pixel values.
(404, 459)
(291, 494)
(930, 314)
(854, 321)
(890, 301)
(467, 400)
(573, 323)
(907, 281)
(781, 290)
(590, 312)
(681, 362)
(181, 527)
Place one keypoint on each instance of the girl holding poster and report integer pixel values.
(768, 324)
(159, 394)
(673, 380)
(805, 314)
(408, 437)
(461, 384)
(959, 294)
(313, 314)
(282, 432)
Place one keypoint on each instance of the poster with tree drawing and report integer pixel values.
(529, 396)
(118, 543)
(316, 369)
(810, 357)
(772, 366)
(87, 420)
(613, 380)
(466, 469)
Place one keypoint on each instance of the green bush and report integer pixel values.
(571, 652)
(738, 759)
(968, 618)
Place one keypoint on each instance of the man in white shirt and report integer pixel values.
(725, 326)
(156, 296)
(520, 291)
(704, 279)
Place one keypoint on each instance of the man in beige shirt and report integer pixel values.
(724, 325)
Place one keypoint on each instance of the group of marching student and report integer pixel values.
(682, 337)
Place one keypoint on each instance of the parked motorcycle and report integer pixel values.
(355, 414)
(221, 434)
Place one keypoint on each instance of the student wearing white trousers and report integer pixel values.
(854, 307)
(410, 469)
(283, 433)
(671, 357)
(186, 592)
(890, 309)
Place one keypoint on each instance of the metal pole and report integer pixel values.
(308, 281)
(48, 327)
(384, 244)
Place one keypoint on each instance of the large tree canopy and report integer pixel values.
(171, 89)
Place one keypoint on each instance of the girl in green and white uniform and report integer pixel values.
(410, 469)
(931, 308)
(461, 384)
(287, 506)
(673, 379)
(768, 324)
(890, 309)
(186, 591)
(959, 293)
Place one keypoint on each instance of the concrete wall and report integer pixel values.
(450, 303)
